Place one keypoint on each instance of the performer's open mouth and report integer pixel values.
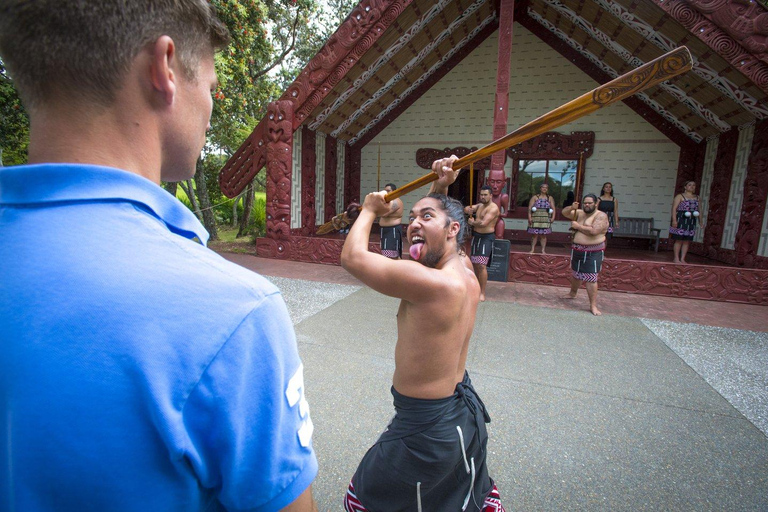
(417, 243)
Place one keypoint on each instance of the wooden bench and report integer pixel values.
(636, 227)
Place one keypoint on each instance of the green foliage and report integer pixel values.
(272, 40)
(14, 123)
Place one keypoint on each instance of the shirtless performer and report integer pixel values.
(588, 248)
(486, 213)
(391, 230)
(431, 457)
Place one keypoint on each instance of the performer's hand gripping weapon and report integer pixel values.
(663, 68)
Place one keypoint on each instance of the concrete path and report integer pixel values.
(611, 413)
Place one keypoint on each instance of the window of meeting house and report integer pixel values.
(560, 175)
(557, 159)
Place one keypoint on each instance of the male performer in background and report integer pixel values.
(588, 250)
(391, 229)
(121, 388)
(432, 455)
(486, 213)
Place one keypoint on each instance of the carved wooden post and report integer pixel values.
(496, 176)
(279, 158)
(755, 195)
(690, 165)
(352, 163)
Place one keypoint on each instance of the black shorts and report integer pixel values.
(482, 248)
(392, 241)
(587, 261)
(433, 452)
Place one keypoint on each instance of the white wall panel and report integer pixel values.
(296, 181)
(706, 185)
(762, 249)
(736, 195)
(320, 178)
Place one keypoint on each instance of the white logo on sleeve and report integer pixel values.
(295, 394)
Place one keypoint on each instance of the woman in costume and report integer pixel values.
(610, 206)
(685, 216)
(541, 213)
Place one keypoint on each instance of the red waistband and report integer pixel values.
(589, 248)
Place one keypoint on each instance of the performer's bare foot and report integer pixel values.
(482, 297)
(595, 311)
(569, 296)
(683, 262)
(675, 261)
(530, 252)
(543, 251)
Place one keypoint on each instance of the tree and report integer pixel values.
(14, 123)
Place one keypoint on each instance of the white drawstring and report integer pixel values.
(463, 450)
(471, 487)
(418, 496)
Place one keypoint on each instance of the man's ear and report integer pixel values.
(453, 229)
(164, 60)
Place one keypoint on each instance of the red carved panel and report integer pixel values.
(746, 22)
(279, 157)
(352, 162)
(755, 194)
(710, 34)
(308, 180)
(331, 161)
(718, 194)
(427, 84)
(725, 284)
(555, 146)
(306, 249)
(362, 28)
(247, 161)
(657, 121)
(425, 157)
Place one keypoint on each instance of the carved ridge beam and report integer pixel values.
(722, 43)
(625, 55)
(362, 28)
(708, 74)
(382, 61)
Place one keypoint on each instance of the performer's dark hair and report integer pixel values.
(593, 196)
(687, 182)
(394, 187)
(455, 212)
(602, 190)
(486, 187)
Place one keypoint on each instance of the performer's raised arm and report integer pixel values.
(447, 175)
(406, 279)
(569, 212)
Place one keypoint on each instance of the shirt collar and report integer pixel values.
(67, 183)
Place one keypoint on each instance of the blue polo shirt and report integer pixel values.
(139, 370)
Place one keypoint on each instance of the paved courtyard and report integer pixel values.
(629, 411)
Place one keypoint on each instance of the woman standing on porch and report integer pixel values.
(541, 213)
(610, 206)
(685, 215)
